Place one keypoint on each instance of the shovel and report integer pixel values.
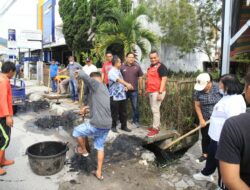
(183, 136)
(47, 92)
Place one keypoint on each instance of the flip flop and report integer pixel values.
(99, 178)
(82, 154)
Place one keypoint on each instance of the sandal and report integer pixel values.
(82, 154)
(101, 178)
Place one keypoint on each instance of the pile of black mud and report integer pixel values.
(123, 148)
(67, 119)
(34, 106)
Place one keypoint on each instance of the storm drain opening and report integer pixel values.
(164, 158)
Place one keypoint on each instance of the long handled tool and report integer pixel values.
(183, 136)
(47, 92)
(82, 93)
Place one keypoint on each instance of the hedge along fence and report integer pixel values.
(177, 109)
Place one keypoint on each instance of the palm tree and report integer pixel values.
(123, 28)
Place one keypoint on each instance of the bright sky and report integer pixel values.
(21, 15)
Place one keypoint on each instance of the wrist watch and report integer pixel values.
(159, 92)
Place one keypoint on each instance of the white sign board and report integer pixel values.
(30, 39)
(31, 35)
(29, 45)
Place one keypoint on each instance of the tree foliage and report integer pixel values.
(209, 16)
(81, 19)
(188, 25)
(125, 29)
(178, 22)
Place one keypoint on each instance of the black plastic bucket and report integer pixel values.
(47, 158)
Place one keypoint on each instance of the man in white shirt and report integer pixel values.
(88, 68)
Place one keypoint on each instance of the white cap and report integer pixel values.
(201, 81)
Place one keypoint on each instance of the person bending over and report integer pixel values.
(100, 118)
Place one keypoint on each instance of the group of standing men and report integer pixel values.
(125, 82)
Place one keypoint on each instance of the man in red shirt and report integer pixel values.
(106, 67)
(6, 112)
(156, 89)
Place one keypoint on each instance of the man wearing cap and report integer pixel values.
(206, 95)
(88, 68)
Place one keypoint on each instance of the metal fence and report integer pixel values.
(177, 110)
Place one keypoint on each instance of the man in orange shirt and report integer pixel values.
(106, 68)
(6, 112)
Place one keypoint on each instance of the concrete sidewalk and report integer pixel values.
(20, 176)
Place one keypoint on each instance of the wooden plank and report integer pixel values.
(56, 96)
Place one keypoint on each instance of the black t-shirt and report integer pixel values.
(234, 144)
(163, 71)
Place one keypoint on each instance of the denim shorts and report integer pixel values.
(88, 130)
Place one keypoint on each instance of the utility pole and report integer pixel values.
(227, 20)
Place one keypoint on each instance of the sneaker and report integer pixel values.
(218, 188)
(76, 102)
(126, 129)
(114, 129)
(150, 128)
(152, 133)
(201, 177)
(136, 125)
(201, 159)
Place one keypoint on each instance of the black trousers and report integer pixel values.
(119, 110)
(205, 141)
(212, 163)
(5, 132)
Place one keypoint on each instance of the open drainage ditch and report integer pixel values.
(123, 148)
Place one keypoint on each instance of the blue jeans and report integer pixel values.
(53, 84)
(73, 89)
(88, 130)
(133, 96)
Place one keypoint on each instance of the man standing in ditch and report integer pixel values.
(6, 112)
(132, 73)
(72, 67)
(100, 119)
(156, 89)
